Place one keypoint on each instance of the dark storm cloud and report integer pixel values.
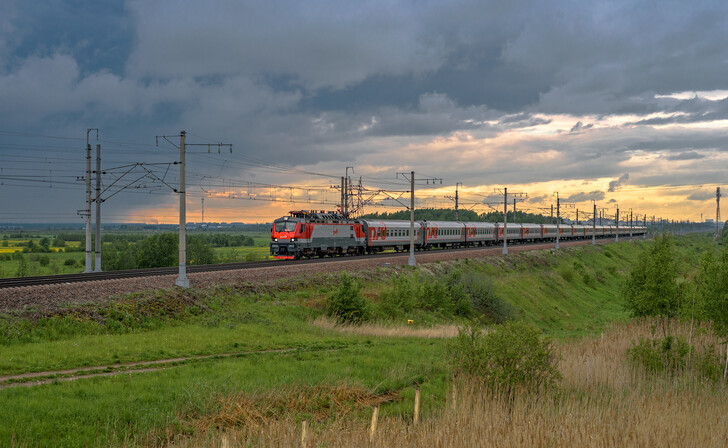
(326, 83)
(615, 184)
(583, 197)
(579, 126)
(701, 196)
(688, 155)
(522, 120)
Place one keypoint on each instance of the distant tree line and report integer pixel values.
(130, 251)
(163, 250)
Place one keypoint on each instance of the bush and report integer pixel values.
(669, 355)
(403, 295)
(23, 268)
(435, 297)
(70, 262)
(567, 274)
(347, 303)
(660, 355)
(484, 299)
(512, 356)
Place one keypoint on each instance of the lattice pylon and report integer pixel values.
(717, 211)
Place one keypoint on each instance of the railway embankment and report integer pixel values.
(50, 296)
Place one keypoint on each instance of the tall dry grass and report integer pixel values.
(602, 402)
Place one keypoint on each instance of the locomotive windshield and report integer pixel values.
(285, 226)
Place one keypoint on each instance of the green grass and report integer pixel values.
(574, 293)
(240, 254)
(105, 411)
(567, 293)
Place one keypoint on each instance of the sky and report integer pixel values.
(619, 103)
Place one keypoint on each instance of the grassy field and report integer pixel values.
(602, 402)
(331, 376)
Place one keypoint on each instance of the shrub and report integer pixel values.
(347, 303)
(512, 356)
(588, 279)
(484, 299)
(660, 355)
(669, 355)
(70, 262)
(567, 274)
(434, 297)
(403, 295)
(23, 268)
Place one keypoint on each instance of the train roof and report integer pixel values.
(387, 222)
(479, 224)
(445, 223)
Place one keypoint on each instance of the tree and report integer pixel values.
(45, 244)
(118, 256)
(158, 251)
(199, 251)
(712, 288)
(651, 288)
(23, 267)
(347, 303)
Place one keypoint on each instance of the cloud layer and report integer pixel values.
(483, 93)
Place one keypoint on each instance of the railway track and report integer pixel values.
(130, 273)
(150, 272)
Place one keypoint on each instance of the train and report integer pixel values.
(308, 234)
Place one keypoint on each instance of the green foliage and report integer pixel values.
(347, 303)
(724, 234)
(225, 239)
(512, 356)
(118, 255)
(23, 268)
(484, 299)
(402, 297)
(651, 289)
(712, 290)
(460, 294)
(199, 251)
(158, 251)
(567, 274)
(668, 354)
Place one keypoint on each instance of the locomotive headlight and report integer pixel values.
(293, 239)
(275, 239)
